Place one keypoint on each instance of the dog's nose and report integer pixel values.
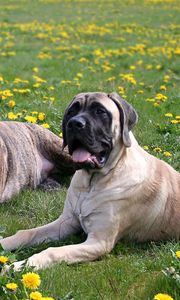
(76, 123)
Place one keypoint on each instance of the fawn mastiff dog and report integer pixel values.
(121, 191)
(29, 156)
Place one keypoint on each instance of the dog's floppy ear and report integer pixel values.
(64, 131)
(64, 121)
(128, 117)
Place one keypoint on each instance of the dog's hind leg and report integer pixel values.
(50, 147)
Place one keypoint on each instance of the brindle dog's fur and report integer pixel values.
(29, 156)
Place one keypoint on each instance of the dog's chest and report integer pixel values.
(91, 203)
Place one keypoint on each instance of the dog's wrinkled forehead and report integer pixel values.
(86, 99)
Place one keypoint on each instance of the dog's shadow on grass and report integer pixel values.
(122, 248)
(24, 253)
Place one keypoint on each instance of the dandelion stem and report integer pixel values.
(26, 294)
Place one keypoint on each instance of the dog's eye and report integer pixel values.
(70, 112)
(100, 111)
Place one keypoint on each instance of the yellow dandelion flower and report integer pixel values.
(34, 113)
(80, 75)
(11, 286)
(36, 85)
(5, 94)
(43, 55)
(11, 53)
(19, 80)
(39, 79)
(146, 148)
(166, 78)
(35, 296)
(12, 116)
(30, 119)
(65, 81)
(11, 103)
(158, 67)
(140, 92)
(64, 34)
(170, 115)
(178, 117)
(178, 254)
(162, 297)
(41, 116)
(4, 259)
(47, 298)
(129, 78)
(45, 97)
(174, 121)
(22, 91)
(45, 125)
(121, 90)
(161, 97)
(139, 62)
(31, 280)
(35, 70)
(156, 104)
(61, 135)
(177, 51)
(83, 59)
(98, 52)
(106, 68)
(163, 88)
(111, 78)
(132, 67)
(158, 149)
(166, 153)
(51, 88)
(149, 67)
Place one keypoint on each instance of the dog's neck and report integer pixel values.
(117, 155)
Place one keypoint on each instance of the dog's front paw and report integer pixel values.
(38, 261)
(19, 265)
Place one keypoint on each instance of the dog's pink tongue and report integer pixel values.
(80, 155)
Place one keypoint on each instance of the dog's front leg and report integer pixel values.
(65, 225)
(90, 250)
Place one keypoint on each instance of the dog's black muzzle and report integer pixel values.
(77, 123)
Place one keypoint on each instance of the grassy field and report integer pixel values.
(50, 50)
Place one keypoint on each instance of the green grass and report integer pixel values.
(100, 40)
